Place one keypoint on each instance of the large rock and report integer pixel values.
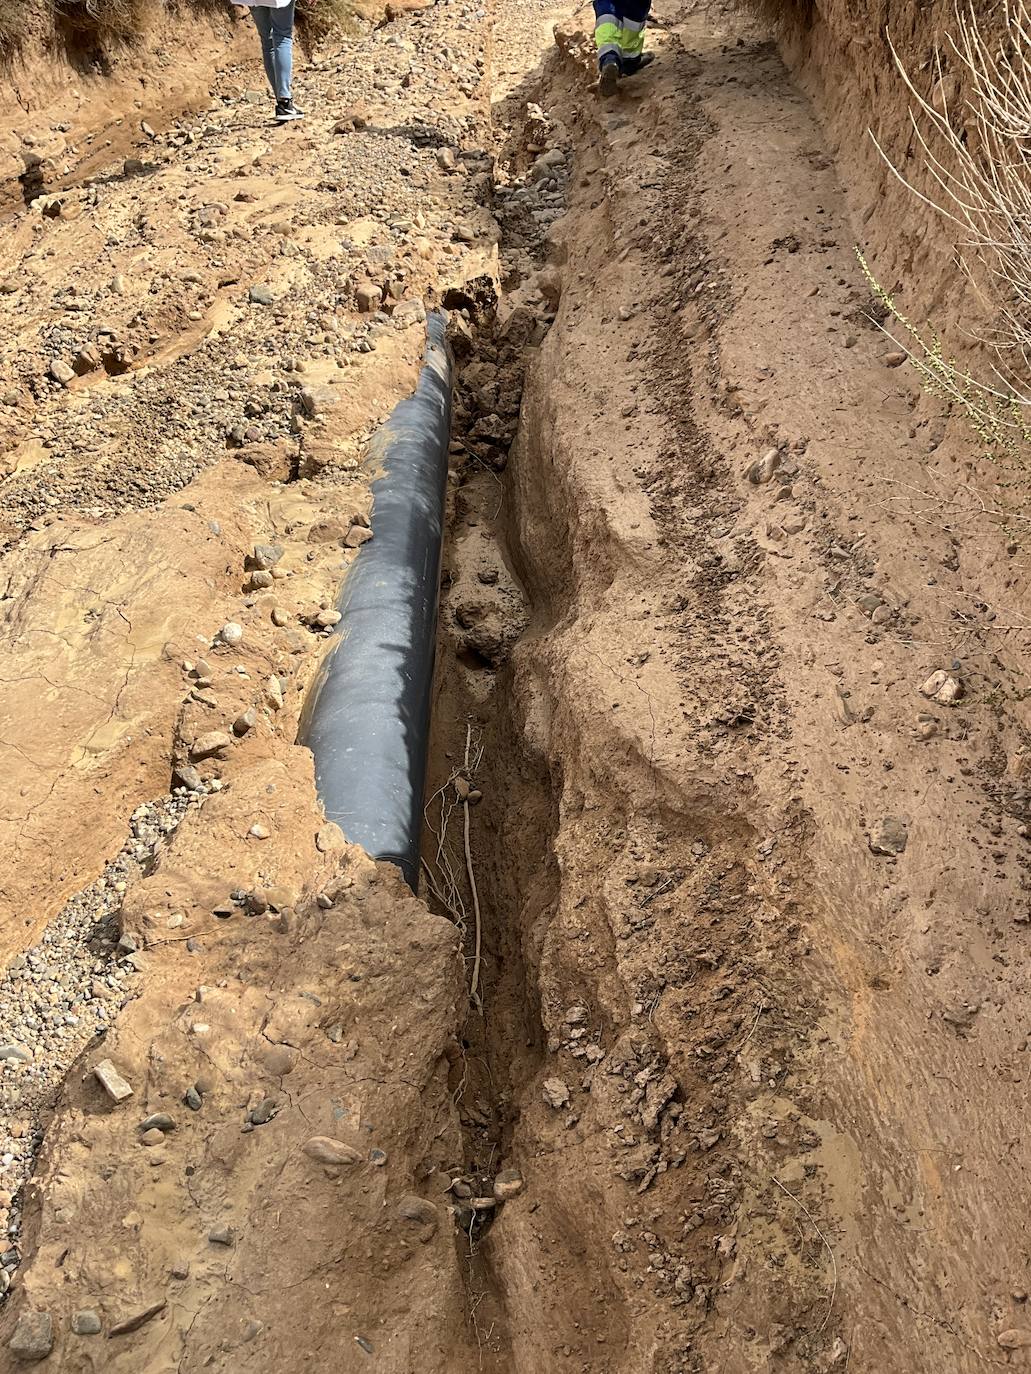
(890, 835)
(325, 1150)
(210, 743)
(33, 1337)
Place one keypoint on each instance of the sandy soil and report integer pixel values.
(740, 1084)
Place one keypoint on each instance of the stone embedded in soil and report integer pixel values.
(264, 557)
(86, 1322)
(508, 1184)
(418, 1210)
(890, 836)
(556, 1094)
(327, 532)
(868, 603)
(549, 284)
(762, 469)
(33, 1337)
(138, 1319)
(18, 1053)
(263, 1113)
(61, 372)
(116, 1087)
(274, 694)
(187, 776)
(356, 536)
(943, 688)
(260, 295)
(368, 297)
(231, 633)
(325, 1150)
(1016, 1338)
(221, 1235)
(152, 1137)
(210, 743)
(245, 721)
(330, 838)
(158, 1121)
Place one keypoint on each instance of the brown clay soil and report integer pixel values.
(722, 1066)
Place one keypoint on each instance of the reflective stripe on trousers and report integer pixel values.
(619, 28)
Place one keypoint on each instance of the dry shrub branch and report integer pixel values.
(112, 24)
(977, 155)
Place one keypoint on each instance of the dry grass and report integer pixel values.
(784, 16)
(103, 25)
(108, 22)
(976, 162)
(107, 25)
(321, 22)
(974, 156)
(17, 25)
(999, 418)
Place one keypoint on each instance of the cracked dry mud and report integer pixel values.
(735, 719)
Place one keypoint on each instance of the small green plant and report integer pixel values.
(998, 417)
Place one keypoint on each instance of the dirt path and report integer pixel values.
(741, 1085)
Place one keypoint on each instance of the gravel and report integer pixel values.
(61, 994)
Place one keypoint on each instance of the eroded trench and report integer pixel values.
(492, 797)
(612, 910)
(600, 1055)
(493, 834)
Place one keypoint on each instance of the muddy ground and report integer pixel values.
(721, 1066)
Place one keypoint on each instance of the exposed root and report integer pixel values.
(475, 980)
(834, 1263)
(444, 874)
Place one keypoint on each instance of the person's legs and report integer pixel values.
(607, 30)
(282, 21)
(631, 34)
(263, 24)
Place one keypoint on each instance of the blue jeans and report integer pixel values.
(276, 27)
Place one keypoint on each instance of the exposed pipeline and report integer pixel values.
(367, 717)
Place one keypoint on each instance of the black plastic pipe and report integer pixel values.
(367, 717)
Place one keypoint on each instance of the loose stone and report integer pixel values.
(117, 1089)
(33, 1337)
(328, 1151)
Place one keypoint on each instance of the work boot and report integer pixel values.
(633, 65)
(608, 77)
